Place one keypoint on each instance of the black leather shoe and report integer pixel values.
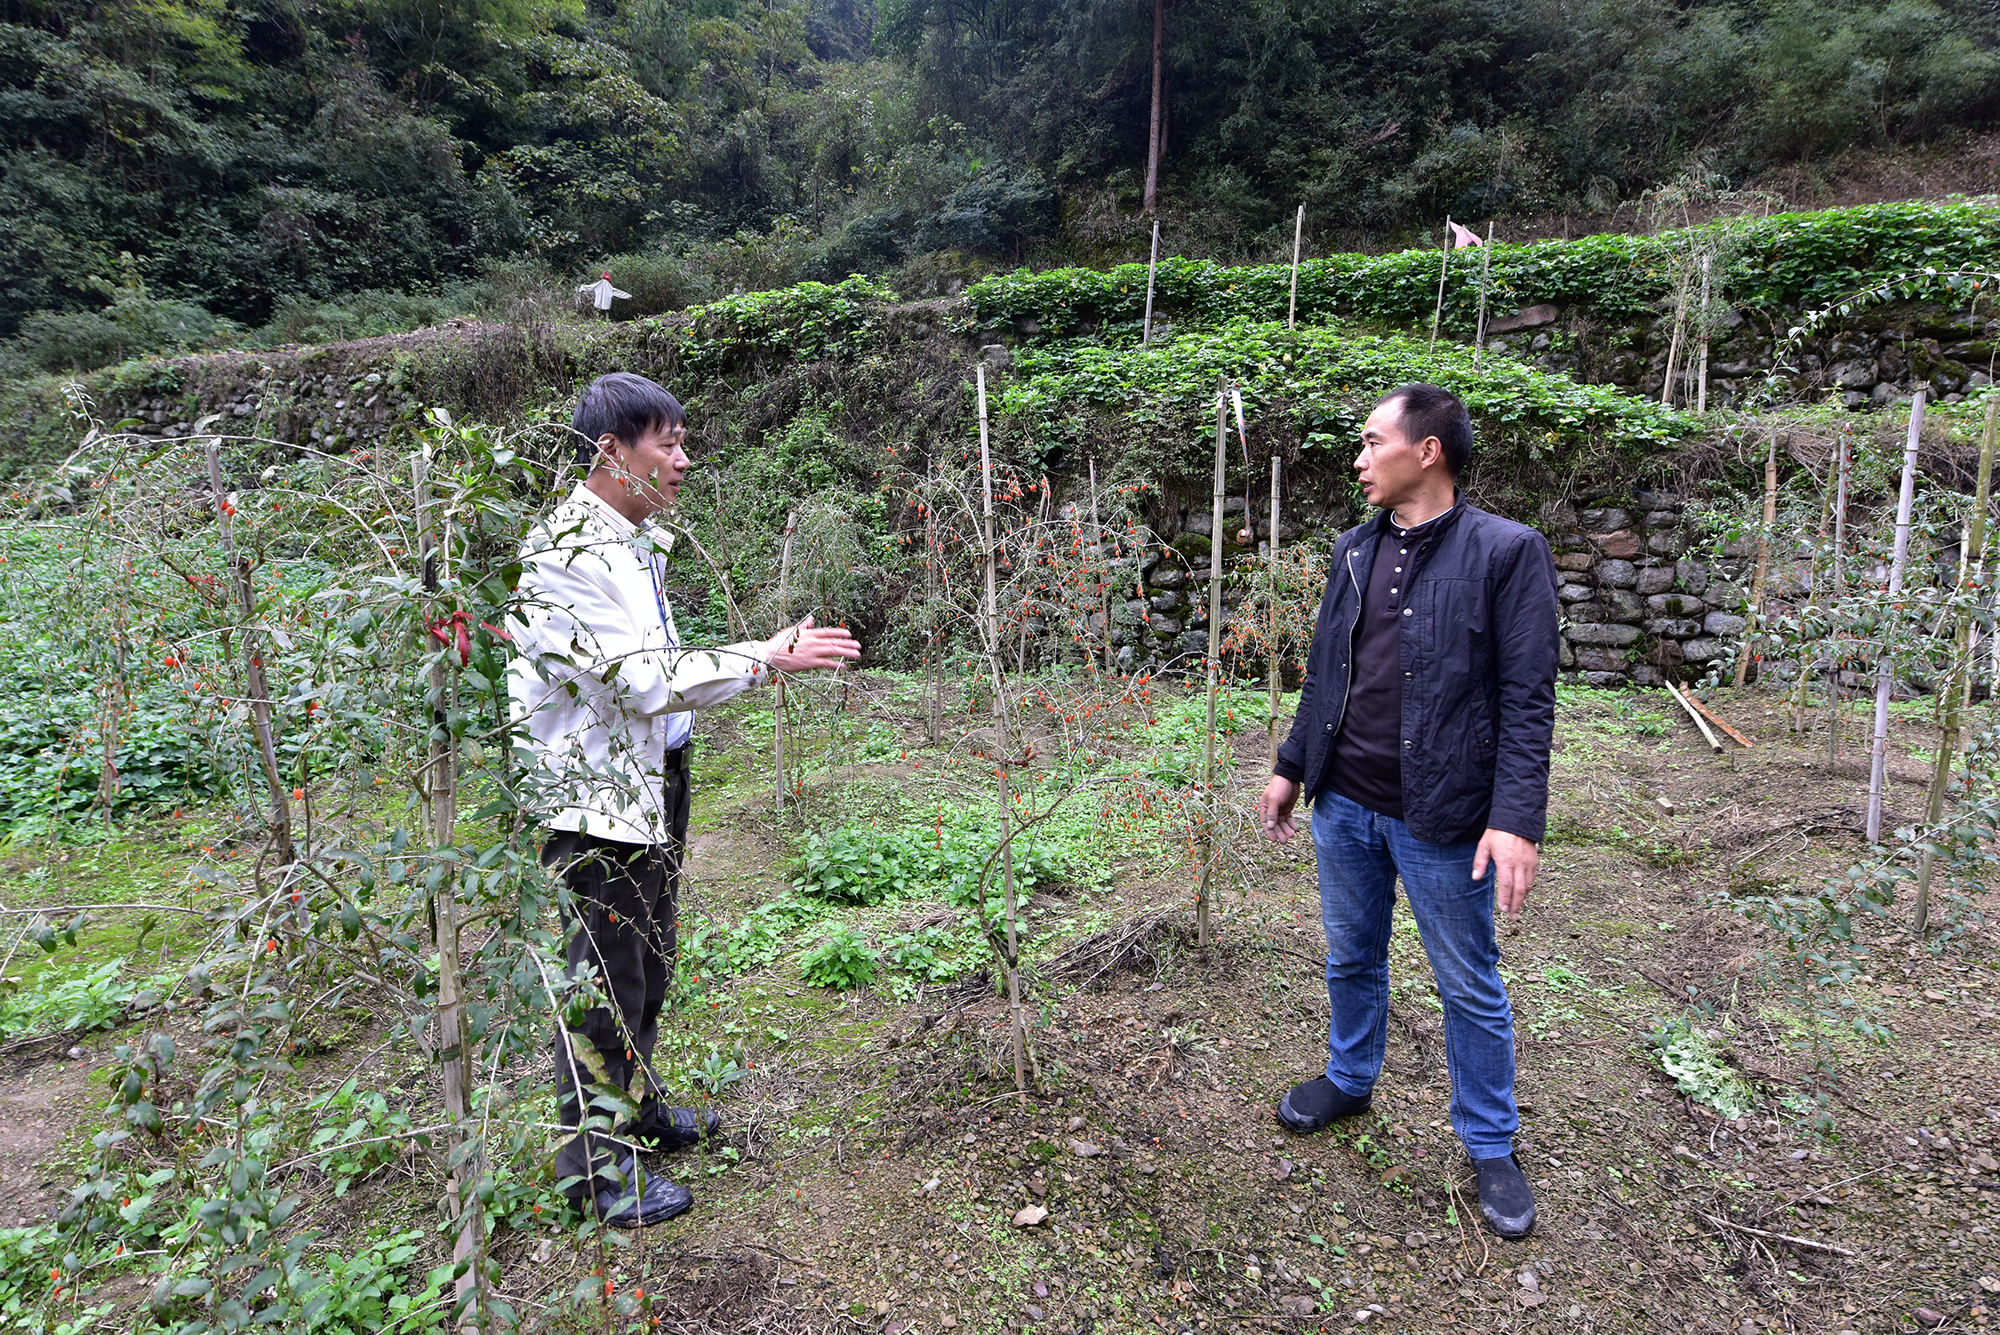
(1505, 1197)
(662, 1128)
(645, 1199)
(1317, 1104)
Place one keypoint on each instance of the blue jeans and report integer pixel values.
(1361, 854)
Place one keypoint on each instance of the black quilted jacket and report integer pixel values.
(1479, 672)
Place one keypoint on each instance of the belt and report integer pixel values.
(678, 760)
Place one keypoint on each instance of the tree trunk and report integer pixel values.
(1155, 138)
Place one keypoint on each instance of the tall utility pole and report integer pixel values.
(1155, 144)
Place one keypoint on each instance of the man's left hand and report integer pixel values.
(1514, 861)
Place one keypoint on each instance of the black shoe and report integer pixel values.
(1505, 1197)
(644, 1200)
(1316, 1104)
(663, 1128)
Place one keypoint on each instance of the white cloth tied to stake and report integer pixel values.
(602, 293)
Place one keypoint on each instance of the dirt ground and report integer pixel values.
(879, 1172)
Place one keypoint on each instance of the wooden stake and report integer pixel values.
(1298, 241)
(1208, 817)
(778, 687)
(1674, 348)
(1763, 561)
(1885, 671)
(1844, 466)
(1954, 695)
(1145, 333)
(1004, 749)
(1485, 270)
(1276, 682)
(1444, 270)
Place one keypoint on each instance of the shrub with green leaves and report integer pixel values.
(861, 863)
(840, 961)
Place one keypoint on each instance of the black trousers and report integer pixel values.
(624, 927)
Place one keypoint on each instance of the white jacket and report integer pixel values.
(599, 675)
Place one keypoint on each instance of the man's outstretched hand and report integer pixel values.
(806, 647)
(1514, 862)
(1274, 809)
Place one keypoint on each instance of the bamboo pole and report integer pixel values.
(1208, 817)
(1885, 670)
(778, 687)
(1674, 348)
(1004, 751)
(1444, 271)
(934, 702)
(1686, 703)
(441, 798)
(1298, 242)
(1146, 332)
(1845, 470)
(1954, 696)
(1763, 574)
(1701, 390)
(1485, 272)
(1276, 676)
(258, 686)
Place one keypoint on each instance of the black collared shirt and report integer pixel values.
(1366, 765)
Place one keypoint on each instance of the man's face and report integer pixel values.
(652, 467)
(1392, 466)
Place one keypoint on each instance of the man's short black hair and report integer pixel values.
(1429, 411)
(623, 405)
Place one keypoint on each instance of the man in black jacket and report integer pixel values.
(1422, 742)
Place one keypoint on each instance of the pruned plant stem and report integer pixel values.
(778, 687)
(441, 801)
(259, 688)
(1207, 883)
(1004, 753)
(1763, 561)
(1298, 243)
(1276, 682)
(1885, 668)
(1103, 584)
(1954, 695)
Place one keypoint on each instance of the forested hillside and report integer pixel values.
(188, 173)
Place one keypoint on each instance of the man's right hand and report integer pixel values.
(806, 647)
(1274, 809)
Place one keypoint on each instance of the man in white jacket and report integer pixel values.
(605, 688)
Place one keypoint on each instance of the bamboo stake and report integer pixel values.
(1298, 241)
(1485, 270)
(1686, 703)
(1005, 751)
(1276, 682)
(1763, 561)
(1207, 885)
(1954, 696)
(253, 665)
(778, 687)
(1701, 392)
(1674, 348)
(934, 705)
(1444, 270)
(1146, 333)
(441, 797)
(1103, 584)
(1885, 672)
